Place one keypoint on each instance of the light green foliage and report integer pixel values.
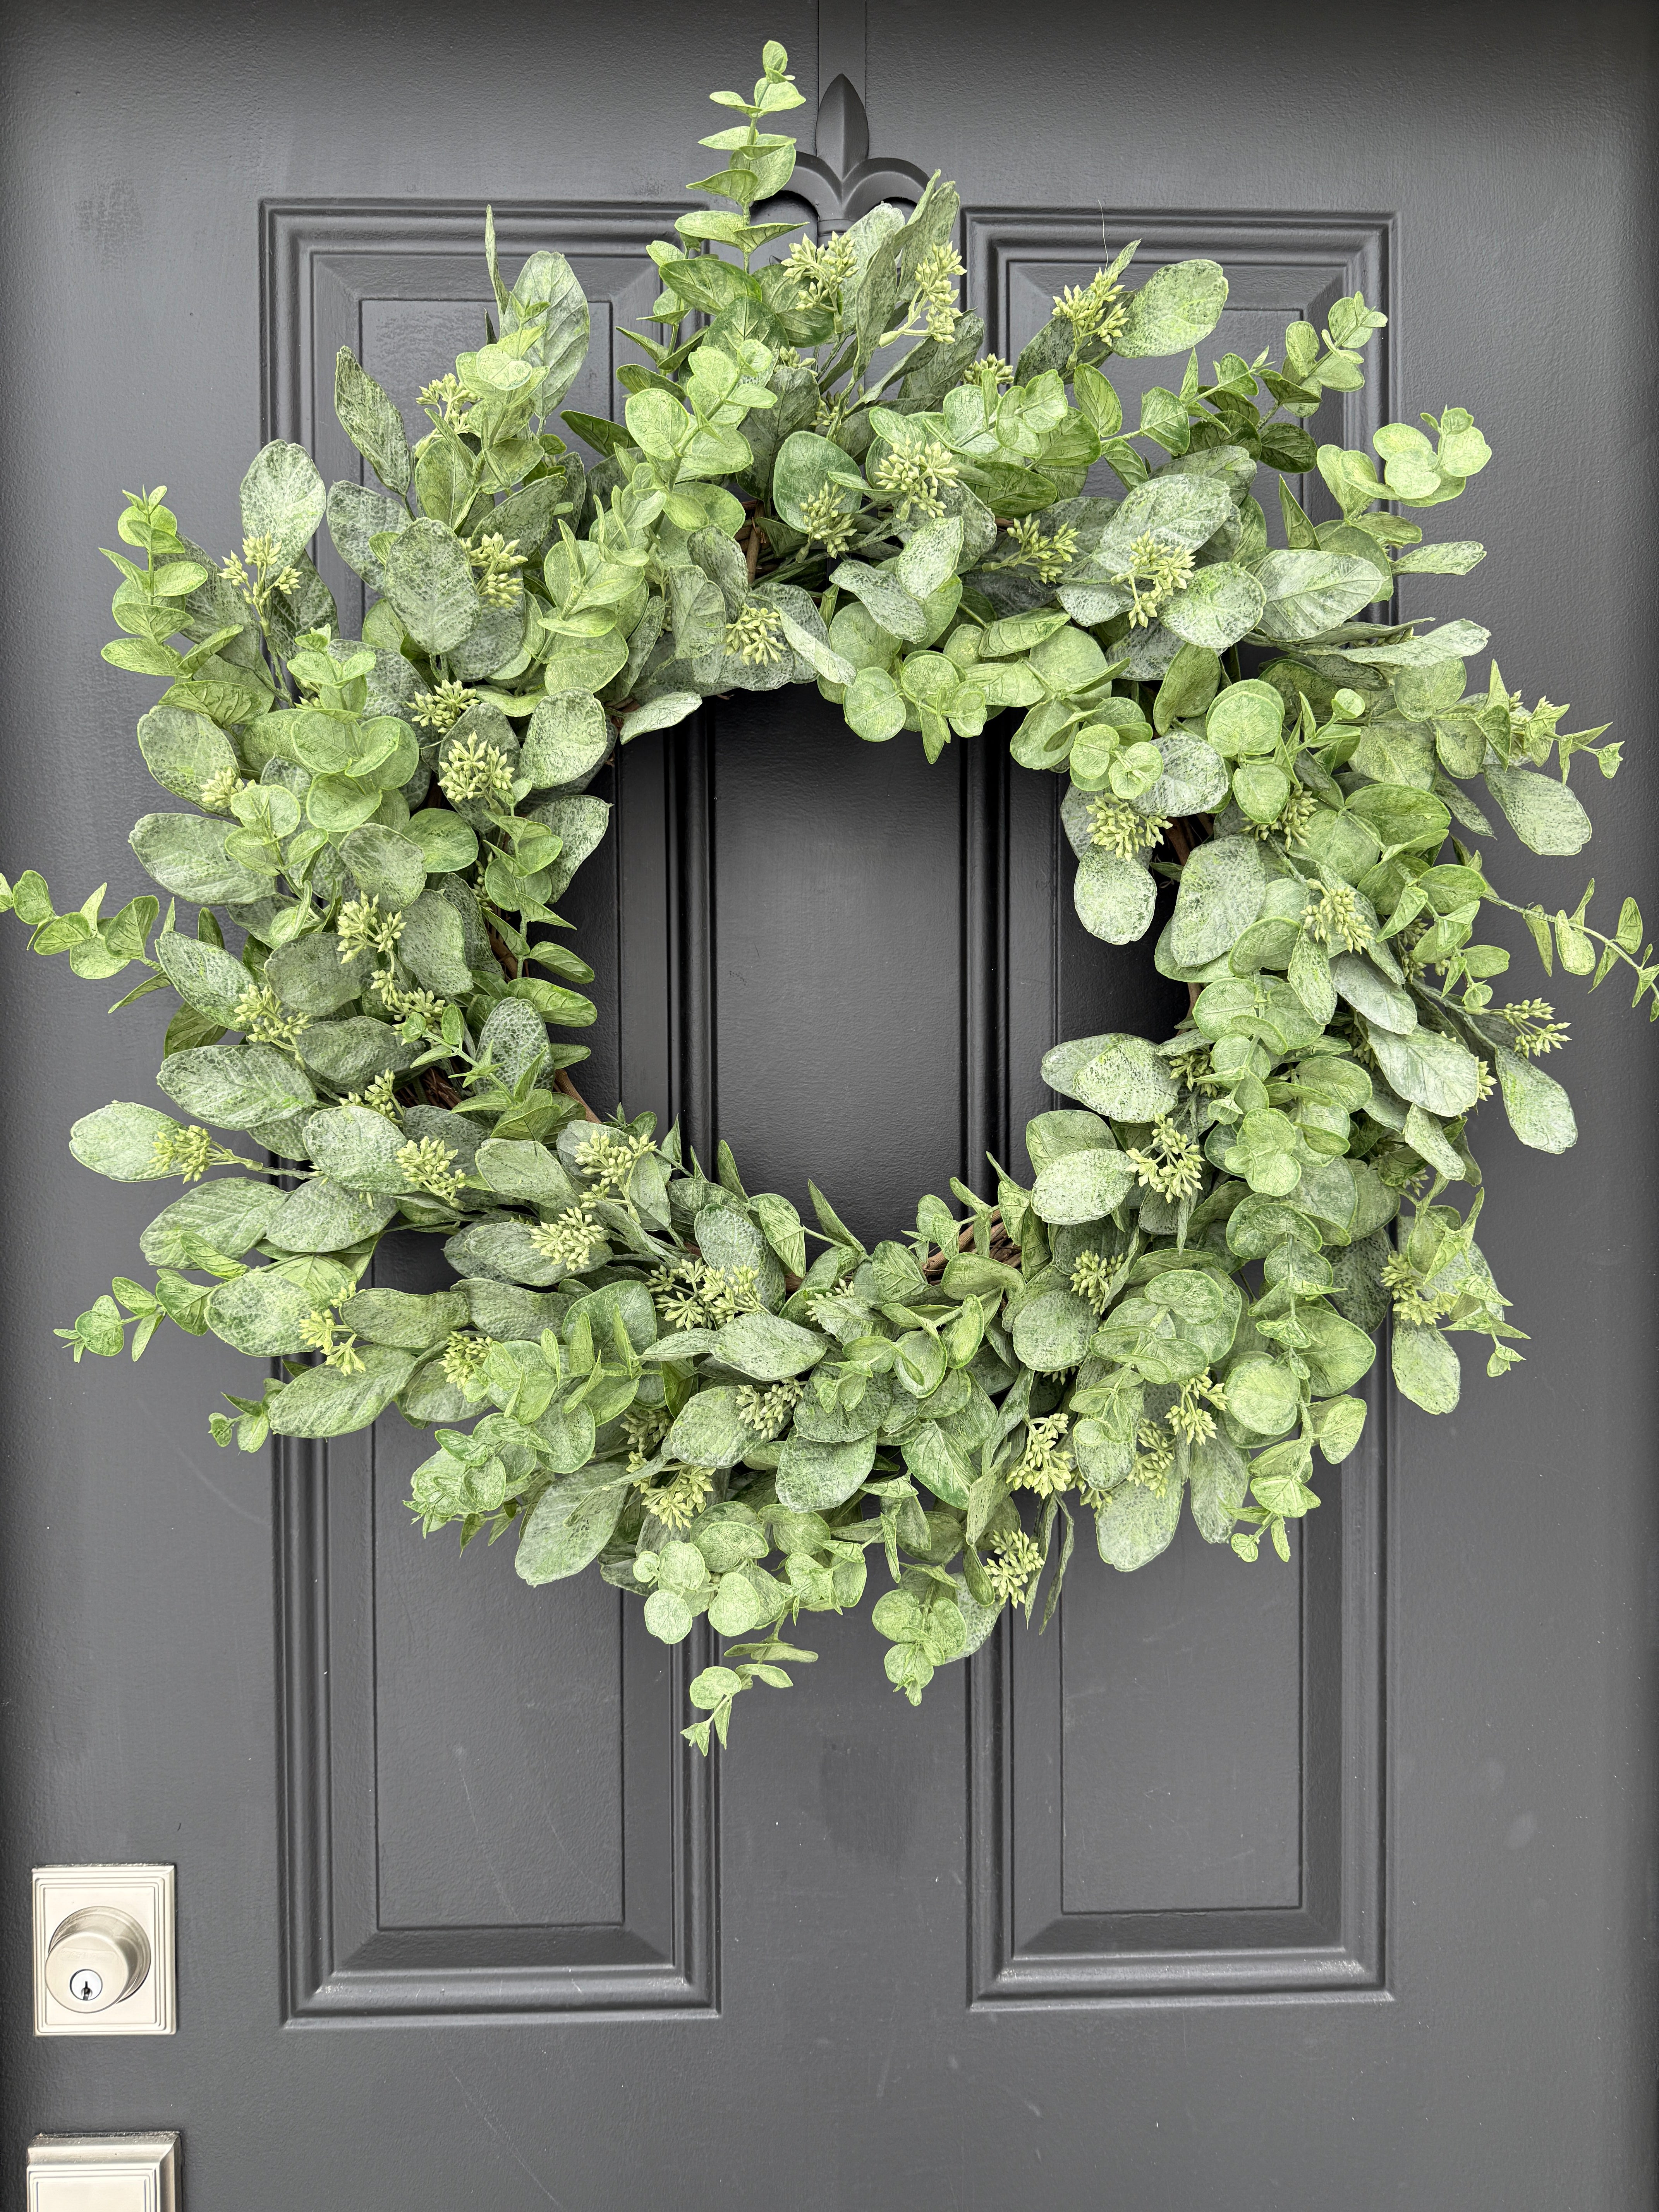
(644, 1365)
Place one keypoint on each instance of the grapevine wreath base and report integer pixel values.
(820, 477)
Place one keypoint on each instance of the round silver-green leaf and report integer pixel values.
(429, 583)
(1384, 1005)
(1544, 814)
(1217, 608)
(388, 866)
(1218, 1478)
(567, 1529)
(769, 1348)
(231, 1214)
(1136, 1523)
(1540, 1113)
(1223, 885)
(357, 1147)
(567, 738)
(708, 1431)
(1173, 309)
(1262, 1395)
(1122, 1077)
(814, 1478)
(185, 855)
(1052, 1330)
(1429, 1069)
(119, 1141)
(1426, 1369)
(284, 501)
(264, 1313)
(1083, 1186)
(1115, 897)
(1307, 593)
(234, 1085)
(182, 749)
(322, 1216)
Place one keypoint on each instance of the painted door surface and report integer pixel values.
(1303, 1886)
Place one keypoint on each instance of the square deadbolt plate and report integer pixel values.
(146, 1892)
(104, 2173)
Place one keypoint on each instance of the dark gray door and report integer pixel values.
(1326, 1885)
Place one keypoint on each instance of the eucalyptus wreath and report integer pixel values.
(820, 476)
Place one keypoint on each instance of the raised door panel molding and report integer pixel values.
(402, 284)
(489, 1811)
(1255, 1867)
(1279, 267)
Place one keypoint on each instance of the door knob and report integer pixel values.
(96, 1957)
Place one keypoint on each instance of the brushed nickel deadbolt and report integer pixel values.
(103, 1950)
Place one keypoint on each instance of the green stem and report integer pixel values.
(1608, 944)
(839, 367)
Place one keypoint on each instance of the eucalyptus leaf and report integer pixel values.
(1115, 897)
(186, 854)
(324, 1215)
(568, 737)
(1173, 309)
(1083, 1186)
(429, 582)
(1123, 1077)
(1428, 1069)
(815, 1478)
(1220, 604)
(566, 1530)
(1540, 1111)
(1307, 593)
(769, 1348)
(309, 975)
(202, 975)
(1223, 885)
(1136, 1524)
(230, 1214)
(120, 1141)
(234, 1086)
(267, 1313)
(183, 750)
(283, 502)
(1217, 1479)
(1426, 1369)
(351, 1051)
(1545, 815)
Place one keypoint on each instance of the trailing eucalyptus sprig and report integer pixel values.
(819, 477)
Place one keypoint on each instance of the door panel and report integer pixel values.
(488, 1811)
(1292, 1887)
(1107, 1866)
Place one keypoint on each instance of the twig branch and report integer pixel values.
(1180, 837)
(561, 1082)
(1003, 1247)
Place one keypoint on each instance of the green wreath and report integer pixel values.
(820, 477)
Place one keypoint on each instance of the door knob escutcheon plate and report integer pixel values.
(104, 2173)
